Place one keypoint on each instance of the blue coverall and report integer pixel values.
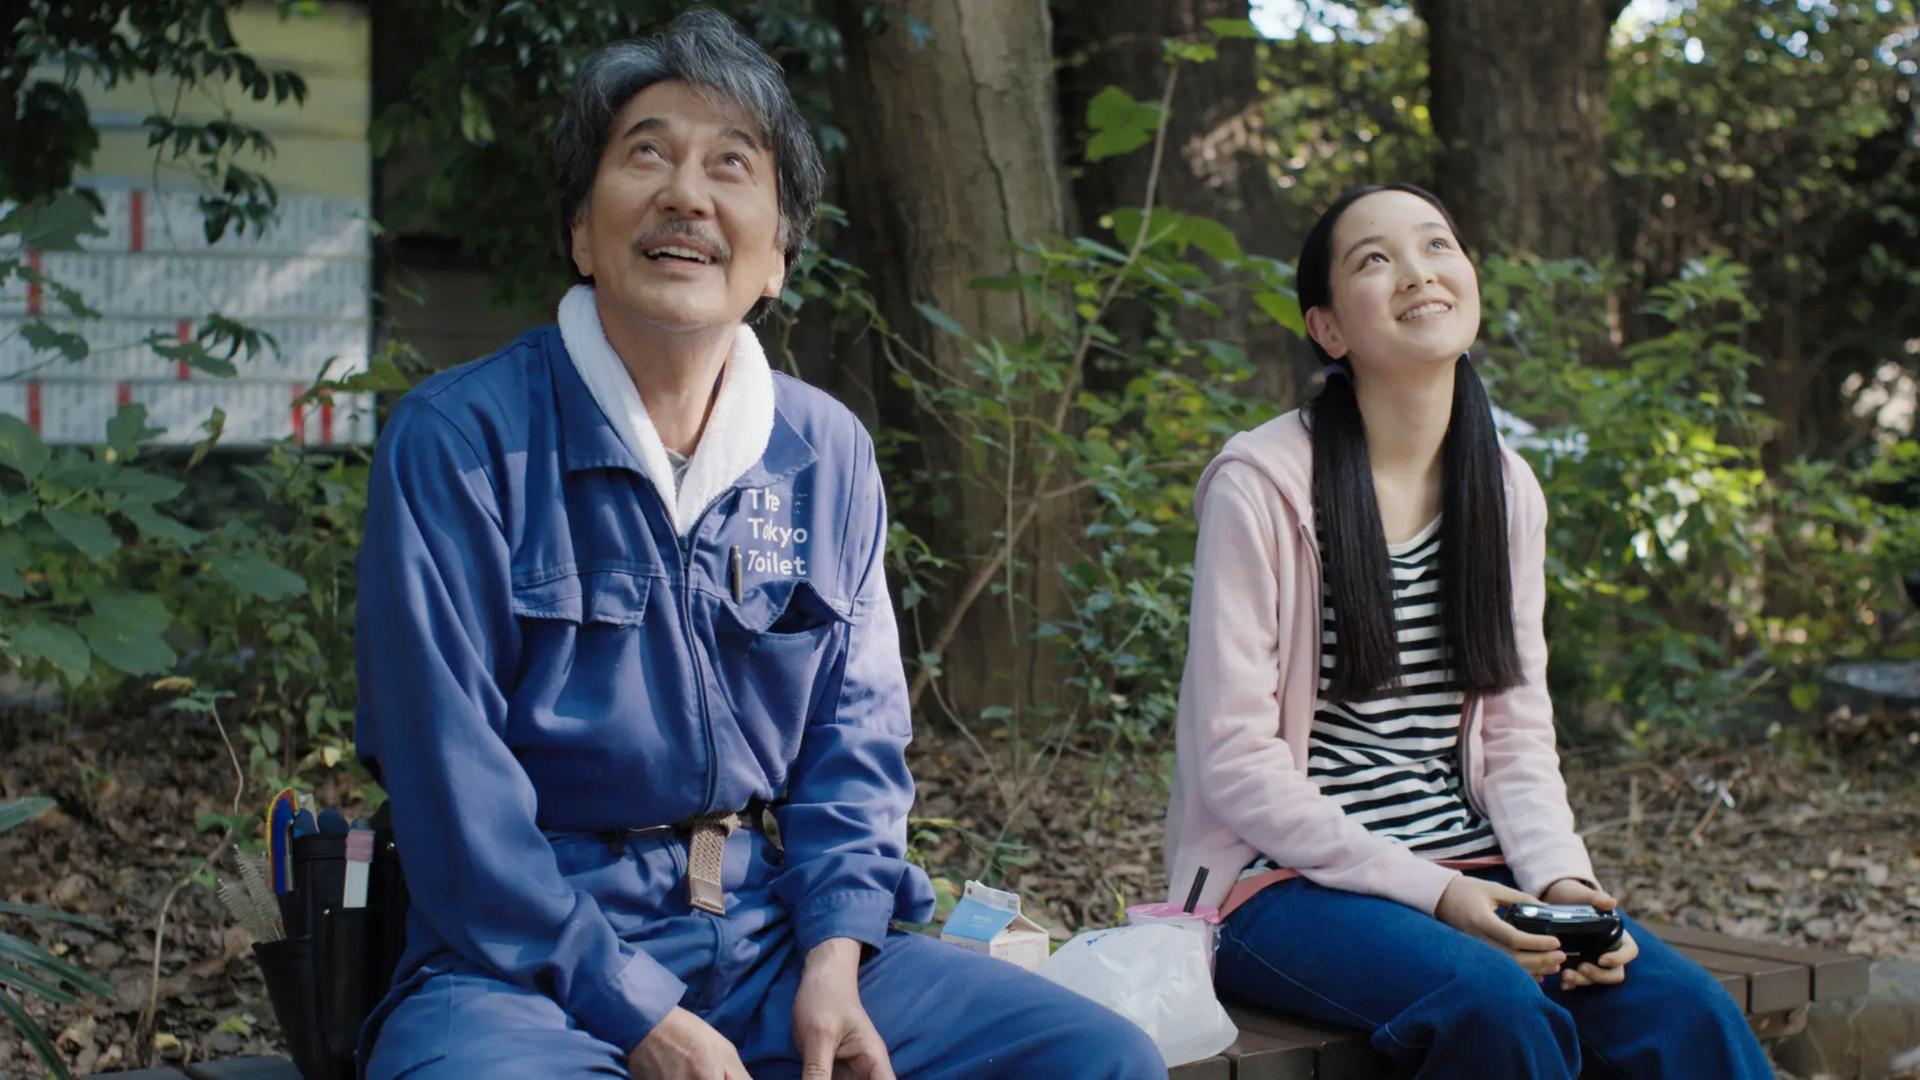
(542, 661)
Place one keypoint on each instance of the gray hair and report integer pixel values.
(706, 50)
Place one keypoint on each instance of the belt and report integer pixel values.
(706, 848)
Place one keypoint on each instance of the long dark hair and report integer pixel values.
(1476, 587)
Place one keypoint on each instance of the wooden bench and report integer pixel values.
(1772, 983)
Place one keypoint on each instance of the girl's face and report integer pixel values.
(1403, 293)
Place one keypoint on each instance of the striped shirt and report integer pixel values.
(1392, 762)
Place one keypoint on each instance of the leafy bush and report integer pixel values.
(29, 969)
(1682, 579)
(93, 566)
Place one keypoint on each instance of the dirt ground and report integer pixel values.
(1819, 845)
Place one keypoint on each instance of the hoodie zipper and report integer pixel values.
(1312, 547)
(1467, 719)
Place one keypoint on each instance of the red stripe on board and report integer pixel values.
(299, 420)
(123, 393)
(326, 421)
(137, 219)
(33, 287)
(33, 404)
(181, 368)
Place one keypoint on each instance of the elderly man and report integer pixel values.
(622, 598)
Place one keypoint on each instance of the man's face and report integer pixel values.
(682, 227)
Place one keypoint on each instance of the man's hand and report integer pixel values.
(685, 1047)
(830, 1026)
(1468, 906)
(1612, 968)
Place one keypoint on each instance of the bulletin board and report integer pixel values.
(306, 281)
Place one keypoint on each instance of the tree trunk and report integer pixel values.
(954, 157)
(1216, 161)
(1519, 101)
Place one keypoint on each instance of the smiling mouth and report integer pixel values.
(675, 253)
(1426, 311)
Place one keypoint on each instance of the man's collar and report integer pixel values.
(745, 442)
(587, 438)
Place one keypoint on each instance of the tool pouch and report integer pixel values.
(335, 963)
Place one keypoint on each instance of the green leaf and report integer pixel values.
(34, 911)
(128, 429)
(1804, 696)
(21, 448)
(14, 557)
(1108, 144)
(475, 125)
(1095, 247)
(193, 353)
(1211, 237)
(255, 573)
(87, 531)
(56, 224)
(1232, 28)
(30, 1031)
(144, 610)
(15, 506)
(41, 336)
(138, 487)
(1192, 52)
(155, 525)
(1283, 309)
(36, 958)
(942, 322)
(214, 425)
(16, 812)
(126, 644)
(13, 976)
(1118, 123)
(380, 375)
(57, 645)
(237, 1024)
(1113, 107)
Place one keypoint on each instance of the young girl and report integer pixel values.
(1366, 766)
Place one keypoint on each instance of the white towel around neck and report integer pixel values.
(737, 429)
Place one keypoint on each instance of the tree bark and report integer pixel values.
(1519, 102)
(1217, 152)
(954, 156)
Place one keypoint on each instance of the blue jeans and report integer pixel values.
(1441, 1003)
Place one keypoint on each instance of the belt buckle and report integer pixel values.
(706, 860)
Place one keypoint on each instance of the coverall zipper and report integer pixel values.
(684, 546)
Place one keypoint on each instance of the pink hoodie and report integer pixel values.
(1248, 697)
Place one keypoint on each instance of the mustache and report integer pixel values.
(676, 227)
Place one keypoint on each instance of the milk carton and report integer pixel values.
(989, 921)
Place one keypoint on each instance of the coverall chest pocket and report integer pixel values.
(782, 640)
(574, 622)
(604, 597)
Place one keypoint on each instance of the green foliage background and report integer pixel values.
(1724, 523)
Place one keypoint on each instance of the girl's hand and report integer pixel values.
(1468, 906)
(1612, 968)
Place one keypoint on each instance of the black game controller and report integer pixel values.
(1585, 932)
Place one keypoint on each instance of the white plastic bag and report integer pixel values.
(1155, 976)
